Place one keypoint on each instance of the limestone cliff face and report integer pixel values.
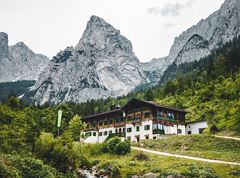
(201, 39)
(102, 64)
(18, 62)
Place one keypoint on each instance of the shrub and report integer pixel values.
(112, 144)
(116, 146)
(141, 157)
(122, 148)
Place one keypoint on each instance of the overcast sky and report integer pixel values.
(48, 26)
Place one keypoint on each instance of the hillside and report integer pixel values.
(204, 146)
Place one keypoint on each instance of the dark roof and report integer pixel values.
(156, 105)
(134, 100)
(103, 113)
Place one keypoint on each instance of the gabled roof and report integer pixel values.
(153, 104)
(118, 110)
(132, 101)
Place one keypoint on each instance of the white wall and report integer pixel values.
(194, 127)
(141, 133)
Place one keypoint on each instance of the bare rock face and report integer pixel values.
(18, 62)
(201, 39)
(102, 64)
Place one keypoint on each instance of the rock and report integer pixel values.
(94, 168)
(110, 167)
(175, 176)
(135, 176)
(101, 172)
(150, 175)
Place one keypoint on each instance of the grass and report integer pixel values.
(126, 166)
(204, 146)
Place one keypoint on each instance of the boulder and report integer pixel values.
(150, 175)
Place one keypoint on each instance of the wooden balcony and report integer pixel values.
(160, 118)
(158, 131)
(119, 124)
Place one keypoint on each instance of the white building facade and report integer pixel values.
(137, 120)
(197, 127)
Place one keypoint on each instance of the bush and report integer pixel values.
(122, 148)
(8, 171)
(116, 146)
(112, 144)
(29, 167)
(141, 157)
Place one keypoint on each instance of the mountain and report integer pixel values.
(201, 39)
(102, 64)
(18, 62)
(154, 69)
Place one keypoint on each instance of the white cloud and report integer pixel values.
(172, 9)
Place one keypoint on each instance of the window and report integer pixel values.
(105, 133)
(146, 136)
(94, 133)
(88, 134)
(110, 132)
(147, 127)
(100, 123)
(189, 132)
(105, 123)
(124, 130)
(120, 130)
(201, 130)
(116, 130)
(100, 133)
(129, 129)
(154, 138)
(179, 131)
(137, 128)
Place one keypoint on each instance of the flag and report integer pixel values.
(59, 118)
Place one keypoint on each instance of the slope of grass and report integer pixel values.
(126, 166)
(204, 146)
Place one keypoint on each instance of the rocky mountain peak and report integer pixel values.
(101, 37)
(200, 40)
(101, 65)
(19, 62)
(3, 45)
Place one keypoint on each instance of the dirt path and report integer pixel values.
(185, 157)
(232, 138)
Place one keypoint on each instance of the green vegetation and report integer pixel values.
(116, 146)
(204, 146)
(126, 166)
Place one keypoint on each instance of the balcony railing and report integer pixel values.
(135, 120)
(119, 124)
(117, 134)
(159, 118)
(158, 131)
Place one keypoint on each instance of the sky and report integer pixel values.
(48, 26)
